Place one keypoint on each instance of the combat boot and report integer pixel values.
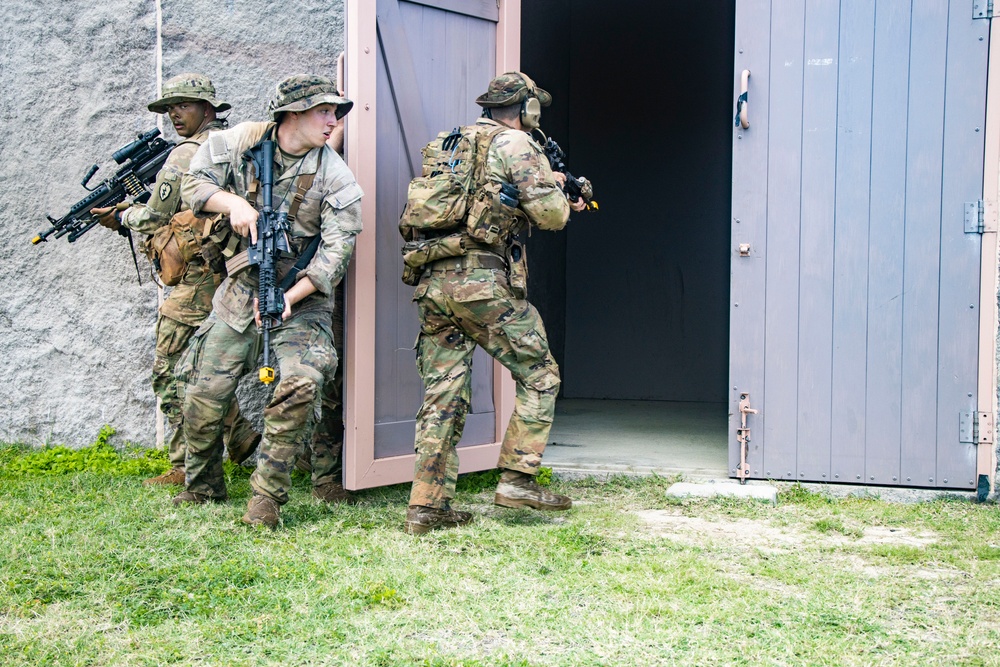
(192, 498)
(172, 476)
(420, 519)
(519, 489)
(333, 492)
(240, 452)
(262, 511)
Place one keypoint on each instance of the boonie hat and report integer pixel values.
(305, 91)
(188, 86)
(510, 88)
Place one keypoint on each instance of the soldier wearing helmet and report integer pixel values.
(321, 198)
(480, 298)
(189, 101)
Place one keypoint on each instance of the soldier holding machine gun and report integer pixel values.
(301, 238)
(188, 100)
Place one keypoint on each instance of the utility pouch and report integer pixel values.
(483, 224)
(434, 202)
(411, 276)
(418, 253)
(172, 247)
(211, 239)
(517, 262)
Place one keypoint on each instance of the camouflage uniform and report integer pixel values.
(468, 301)
(227, 345)
(325, 461)
(190, 301)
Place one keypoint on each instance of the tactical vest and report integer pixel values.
(239, 262)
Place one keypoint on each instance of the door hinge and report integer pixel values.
(982, 9)
(976, 428)
(980, 216)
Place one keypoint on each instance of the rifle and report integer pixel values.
(575, 187)
(140, 160)
(272, 244)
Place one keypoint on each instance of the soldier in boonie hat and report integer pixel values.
(512, 88)
(187, 87)
(515, 88)
(305, 91)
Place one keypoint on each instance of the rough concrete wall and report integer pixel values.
(76, 331)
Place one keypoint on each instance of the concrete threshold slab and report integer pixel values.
(606, 470)
(764, 492)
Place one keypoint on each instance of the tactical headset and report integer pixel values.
(531, 108)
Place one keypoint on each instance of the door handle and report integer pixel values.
(742, 115)
(340, 74)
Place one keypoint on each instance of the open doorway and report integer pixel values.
(635, 296)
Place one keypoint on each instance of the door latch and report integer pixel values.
(743, 437)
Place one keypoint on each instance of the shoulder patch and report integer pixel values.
(218, 148)
(346, 196)
(165, 191)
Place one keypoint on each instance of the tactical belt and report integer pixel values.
(475, 260)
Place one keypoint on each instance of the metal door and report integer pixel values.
(855, 283)
(422, 62)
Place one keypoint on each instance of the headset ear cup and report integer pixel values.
(531, 112)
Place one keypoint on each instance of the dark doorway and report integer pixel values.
(635, 296)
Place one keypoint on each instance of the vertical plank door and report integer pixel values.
(420, 65)
(855, 283)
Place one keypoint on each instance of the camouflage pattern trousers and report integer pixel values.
(458, 310)
(219, 356)
(328, 442)
(172, 338)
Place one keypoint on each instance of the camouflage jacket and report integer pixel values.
(165, 199)
(515, 158)
(331, 208)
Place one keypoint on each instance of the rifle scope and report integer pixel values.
(127, 151)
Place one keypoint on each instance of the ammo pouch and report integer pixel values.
(218, 243)
(517, 263)
(490, 220)
(172, 247)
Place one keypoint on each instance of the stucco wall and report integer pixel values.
(76, 330)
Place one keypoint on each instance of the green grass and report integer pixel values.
(96, 569)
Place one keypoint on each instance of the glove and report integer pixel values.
(108, 217)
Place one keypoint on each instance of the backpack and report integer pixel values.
(453, 173)
(453, 194)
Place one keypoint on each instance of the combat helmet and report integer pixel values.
(189, 86)
(511, 88)
(305, 91)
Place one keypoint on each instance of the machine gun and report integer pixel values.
(272, 245)
(140, 160)
(575, 187)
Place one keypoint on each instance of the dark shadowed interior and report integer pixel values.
(635, 296)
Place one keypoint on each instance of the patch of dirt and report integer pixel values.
(766, 537)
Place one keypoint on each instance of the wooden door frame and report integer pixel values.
(361, 468)
(986, 457)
